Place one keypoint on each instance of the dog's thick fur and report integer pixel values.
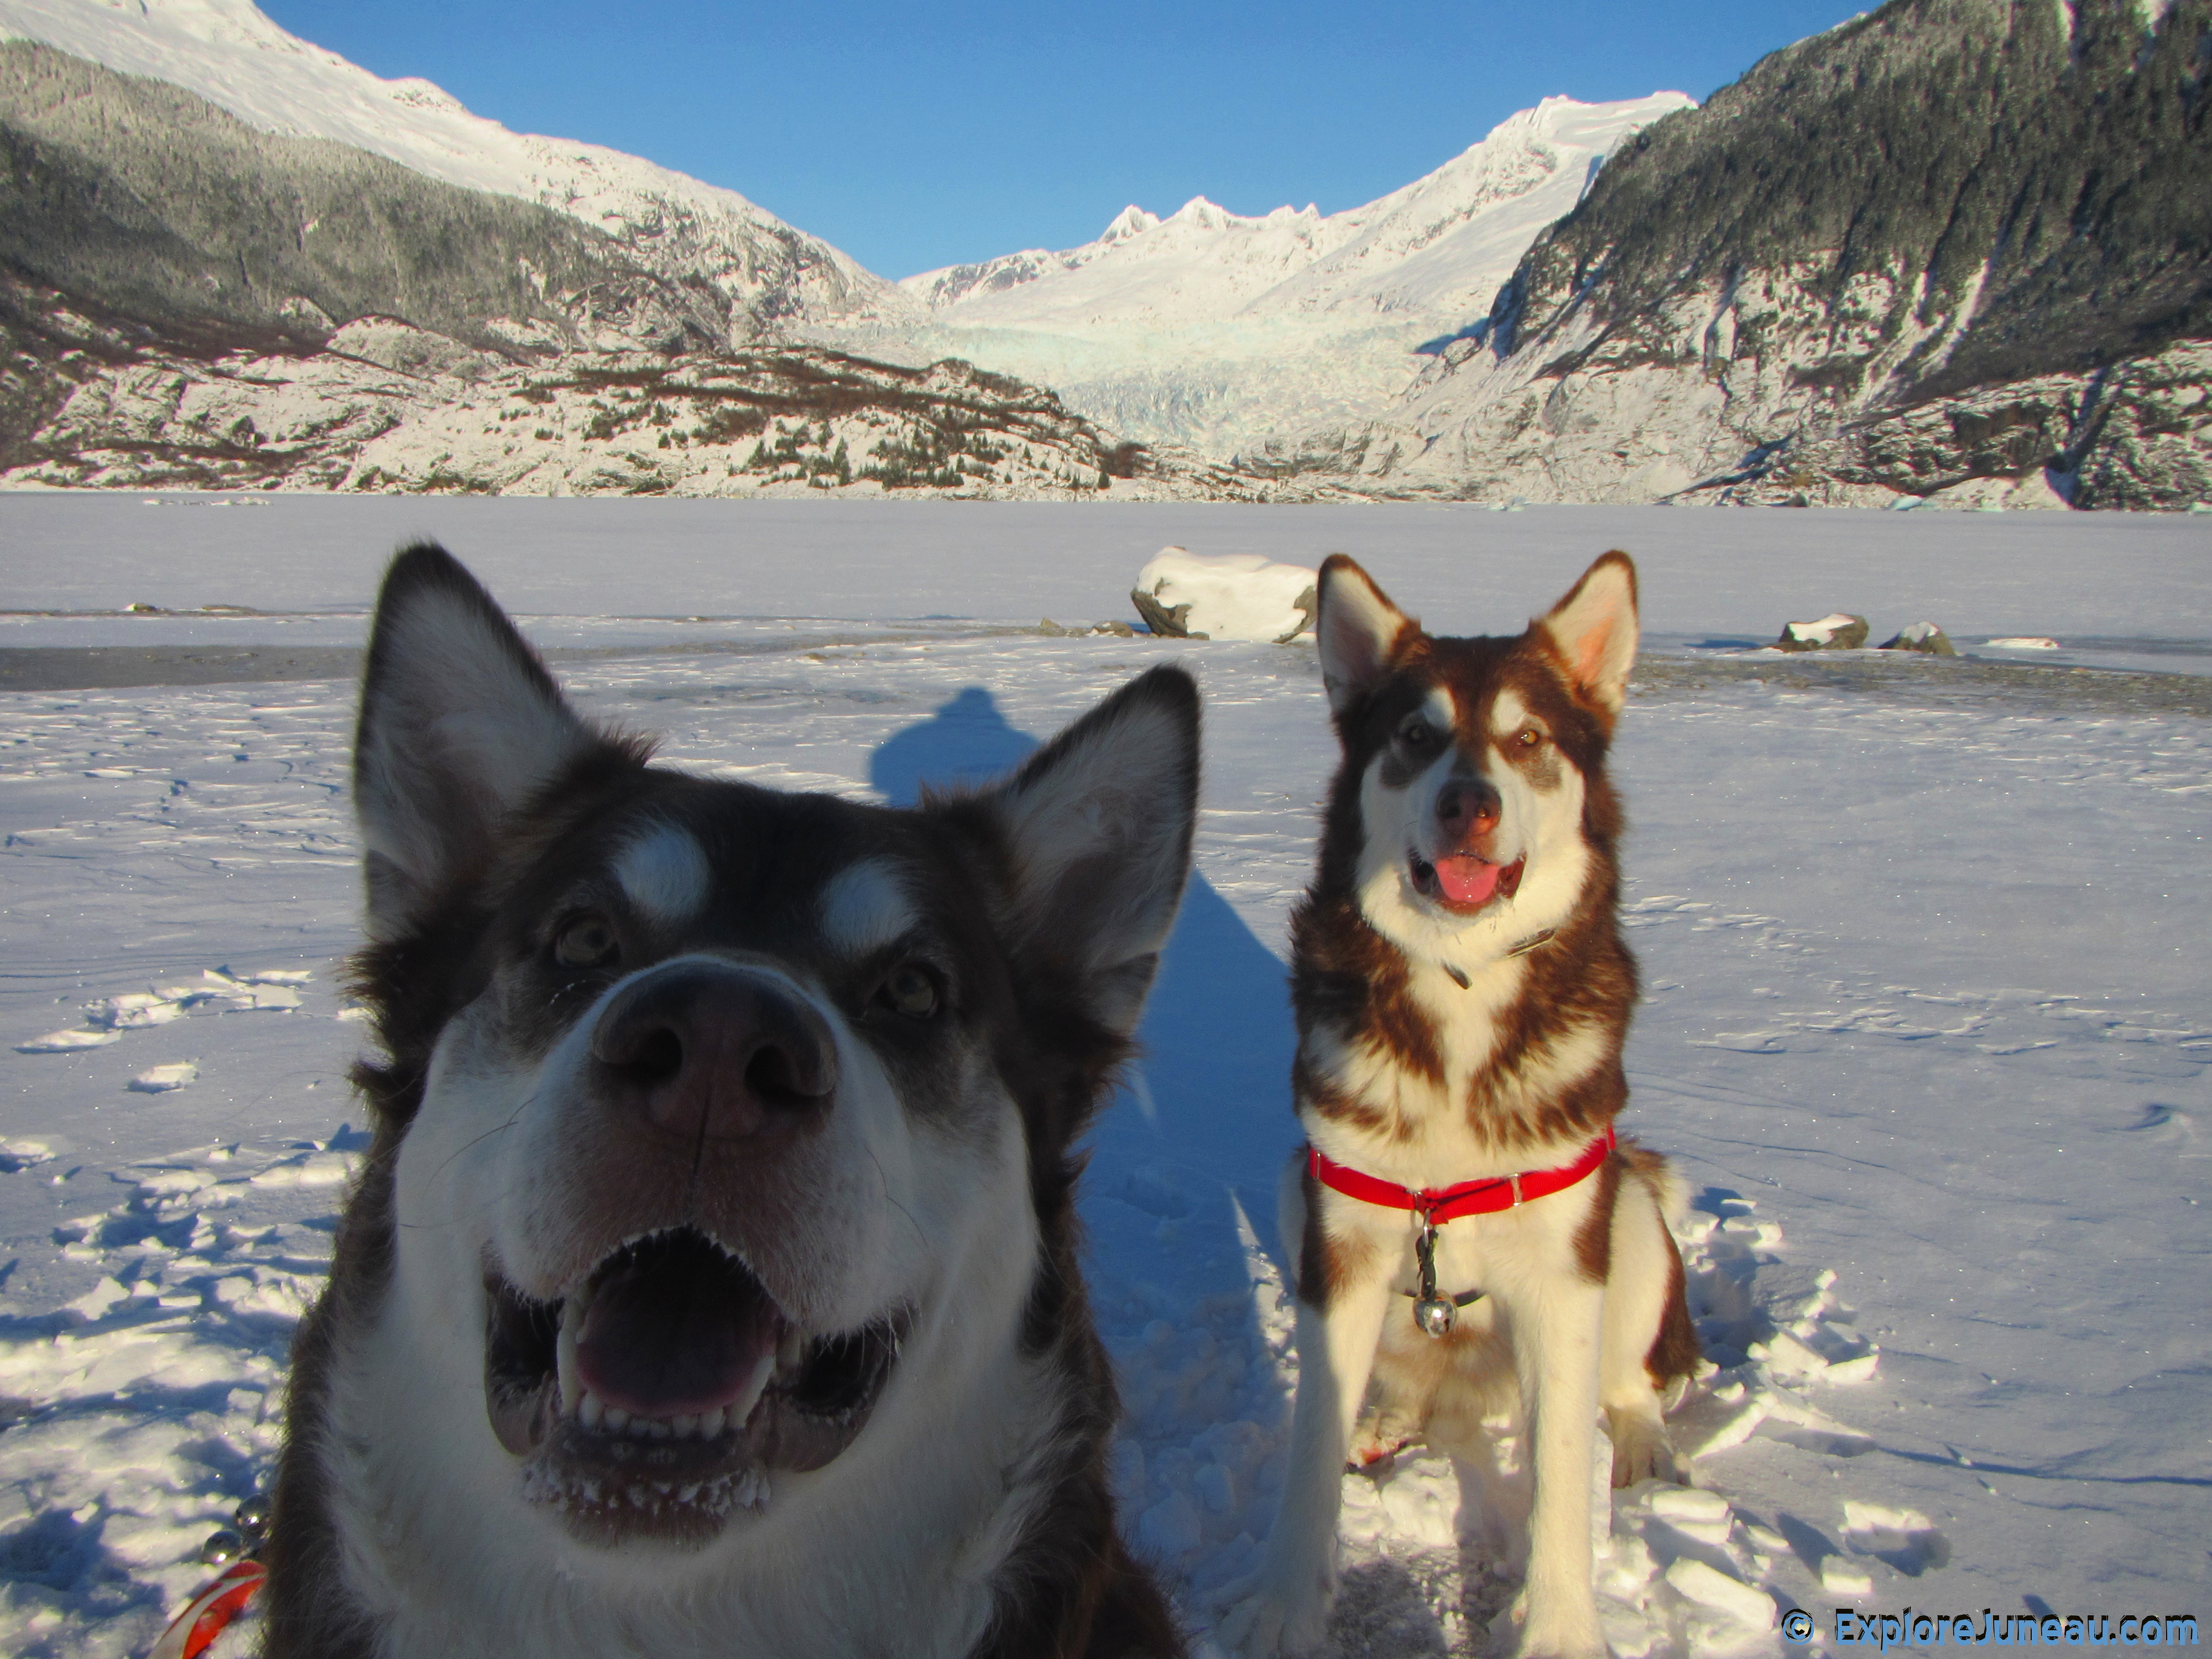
(1462, 992)
(711, 1285)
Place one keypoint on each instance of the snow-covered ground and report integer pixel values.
(1927, 948)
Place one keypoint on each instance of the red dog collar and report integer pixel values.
(1442, 1203)
(193, 1631)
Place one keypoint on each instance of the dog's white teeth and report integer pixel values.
(755, 1386)
(685, 1425)
(710, 1425)
(790, 1352)
(589, 1410)
(656, 1428)
(616, 1419)
(571, 1387)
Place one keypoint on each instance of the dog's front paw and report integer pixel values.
(1379, 1437)
(1275, 1622)
(1643, 1452)
(1553, 1627)
(1574, 1641)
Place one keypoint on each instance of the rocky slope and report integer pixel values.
(384, 405)
(188, 300)
(1956, 251)
(767, 275)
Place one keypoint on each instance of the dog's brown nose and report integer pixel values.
(711, 1049)
(1467, 807)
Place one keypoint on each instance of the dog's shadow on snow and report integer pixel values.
(1180, 1205)
(1211, 1091)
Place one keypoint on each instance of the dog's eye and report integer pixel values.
(585, 942)
(1527, 737)
(910, 989)
(1415, 731)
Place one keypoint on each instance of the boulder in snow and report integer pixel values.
(1226, 596)
(1839, 630)
(1922, 636)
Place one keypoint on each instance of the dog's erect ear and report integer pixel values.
(1359, 630)
(1099, 823)
(1594, 629)
(459, 724)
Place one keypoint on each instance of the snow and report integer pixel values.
(1822, 631)
(1925, 944)
(1438, 246)
(1216, 328)
(228, 52)
(1231, 596)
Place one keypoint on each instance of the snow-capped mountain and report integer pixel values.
(186, 299)
(1216, 328)
(1438, 247)
(771, 276)
(1949, 250)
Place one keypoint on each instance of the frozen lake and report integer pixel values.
(1927, 948)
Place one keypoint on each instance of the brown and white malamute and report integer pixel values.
(1469, 1237)
(711, 1285)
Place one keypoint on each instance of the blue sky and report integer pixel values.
(919, 135)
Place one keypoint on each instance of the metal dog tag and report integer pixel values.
(1434, 1314)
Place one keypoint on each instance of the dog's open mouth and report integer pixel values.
(1463, 882)
(657, 1396)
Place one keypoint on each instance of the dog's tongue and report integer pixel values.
(676, 1332)
(1466, 880)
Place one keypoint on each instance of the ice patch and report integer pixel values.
(220, 992)
(160, 1079)
(1905, 1539)
(17, 1156)
(63, 1042)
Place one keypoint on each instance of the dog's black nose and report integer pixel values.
(1468, 807)
(711, 1049)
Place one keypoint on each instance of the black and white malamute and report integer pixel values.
(711, 1285)
(1469, 1237)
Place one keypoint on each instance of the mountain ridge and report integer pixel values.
(1954, 252)
(1953, 249)
(1214, 328)
(770, 275)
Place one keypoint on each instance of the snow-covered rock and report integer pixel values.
(1922, 636)
(1225, 596)
(1839, 630)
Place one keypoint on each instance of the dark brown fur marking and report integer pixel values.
(1674, 1350)
(1346, 974)
(1594, 1238)
(1326, 1264)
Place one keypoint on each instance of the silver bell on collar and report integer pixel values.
(1434, 1314)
